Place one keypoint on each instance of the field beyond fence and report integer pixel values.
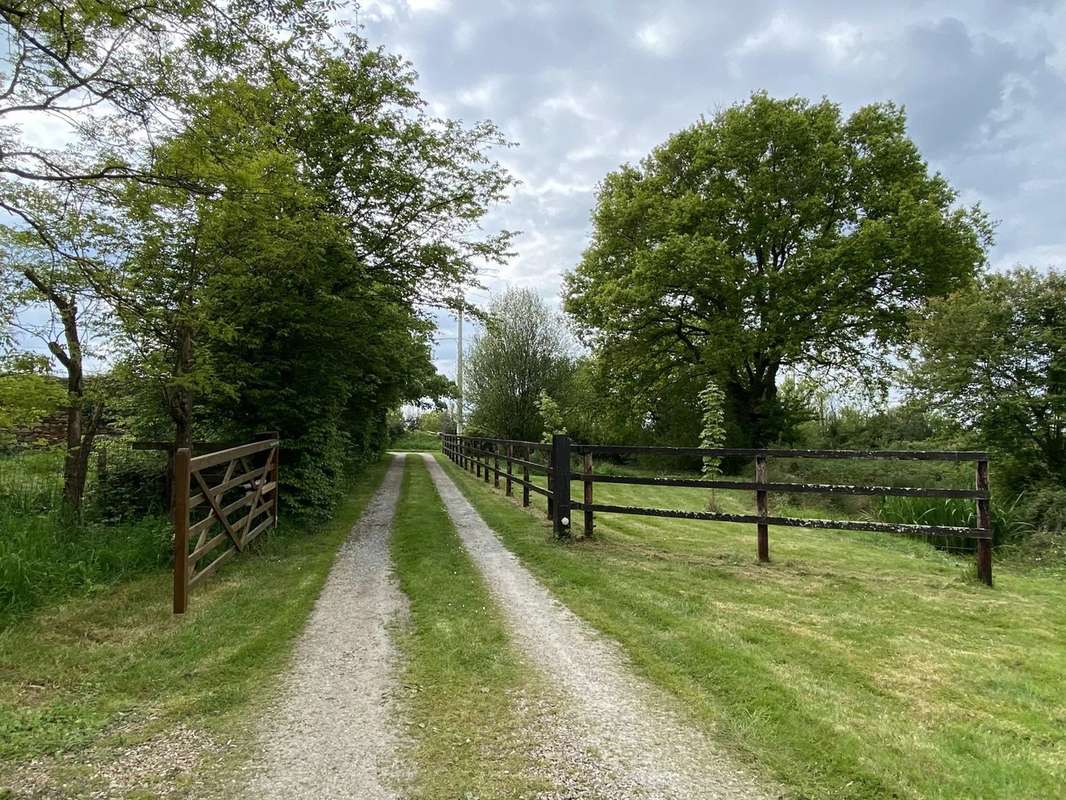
(483, 456)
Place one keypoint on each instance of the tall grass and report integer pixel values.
(1008, 521)
(45, 554)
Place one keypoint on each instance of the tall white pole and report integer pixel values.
(459, 375)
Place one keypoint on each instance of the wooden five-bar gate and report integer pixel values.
(233, 494)
(483, 456)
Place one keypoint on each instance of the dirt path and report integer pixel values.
(332, 733)
(614, 727)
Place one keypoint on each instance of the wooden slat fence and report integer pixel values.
(233, 495)
(482, 456)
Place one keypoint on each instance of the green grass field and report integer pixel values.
(464, 676)
(98, 676)
(853, 666)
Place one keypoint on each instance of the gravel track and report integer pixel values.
(615, 736)
(333, 733)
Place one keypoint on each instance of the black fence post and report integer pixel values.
(560, 463)
(984, 545)
(762, 509)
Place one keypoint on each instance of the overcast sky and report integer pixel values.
(583, 87)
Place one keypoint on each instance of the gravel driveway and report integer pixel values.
(333, 731)
(617, 733)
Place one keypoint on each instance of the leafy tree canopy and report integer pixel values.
(523, 352)
(993, 357)
(776, 234)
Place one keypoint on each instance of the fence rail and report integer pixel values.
(482, 456)
(238, 489)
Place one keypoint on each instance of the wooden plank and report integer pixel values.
(217, 510)
(798, 488)
(222, 456)
(212, 567)
(984, 546)
(181, 530)
(762, 508)
(262, 526)
(587, 494)
(252, 476)
(792, 522)
(890, 455)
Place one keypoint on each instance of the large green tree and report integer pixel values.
(285, 298)
(524, 351)
(777, 233)
(993, 357)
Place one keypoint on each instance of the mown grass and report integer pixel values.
(415, 440)
(95, 674)
(853, 666)
(465, 679)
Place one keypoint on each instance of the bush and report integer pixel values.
(1045, 508)
(131, 485)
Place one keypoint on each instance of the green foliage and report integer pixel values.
(1008, 518)
(993, 357)
(551, 414)
(775, 234)
(132, 486)
(27, 396)
(523, 351)
(712, 402)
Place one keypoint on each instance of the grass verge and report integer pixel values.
(467, 685)
(88, 682)
(853, 666)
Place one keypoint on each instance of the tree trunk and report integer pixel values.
(752, 404)
(179, 399)
(79, 437)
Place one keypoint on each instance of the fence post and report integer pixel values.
(485, 455)
(588, 494)
(762, 509)
(180, 508)
(496, 465)
(273, 471)
(510, 470)
(984, 546)
(549, 509)
(561, 484)
(525, 477)
(477, 464)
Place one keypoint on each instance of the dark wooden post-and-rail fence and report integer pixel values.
(238, 489)
(561, 505)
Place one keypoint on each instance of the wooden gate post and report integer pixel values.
(496, 465)
(180, 507)
(984, 545)
(477, 463)
(508, 490)
(588, 494)
(272, 475)
(762, 509)
(485, 455)
(560, 462)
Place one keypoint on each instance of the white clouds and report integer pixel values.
(660, 37)
(483, 95)
(428, 5)
(782, 31)
(842, 41)
(584, 87)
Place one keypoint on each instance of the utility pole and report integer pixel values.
(459, 374)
